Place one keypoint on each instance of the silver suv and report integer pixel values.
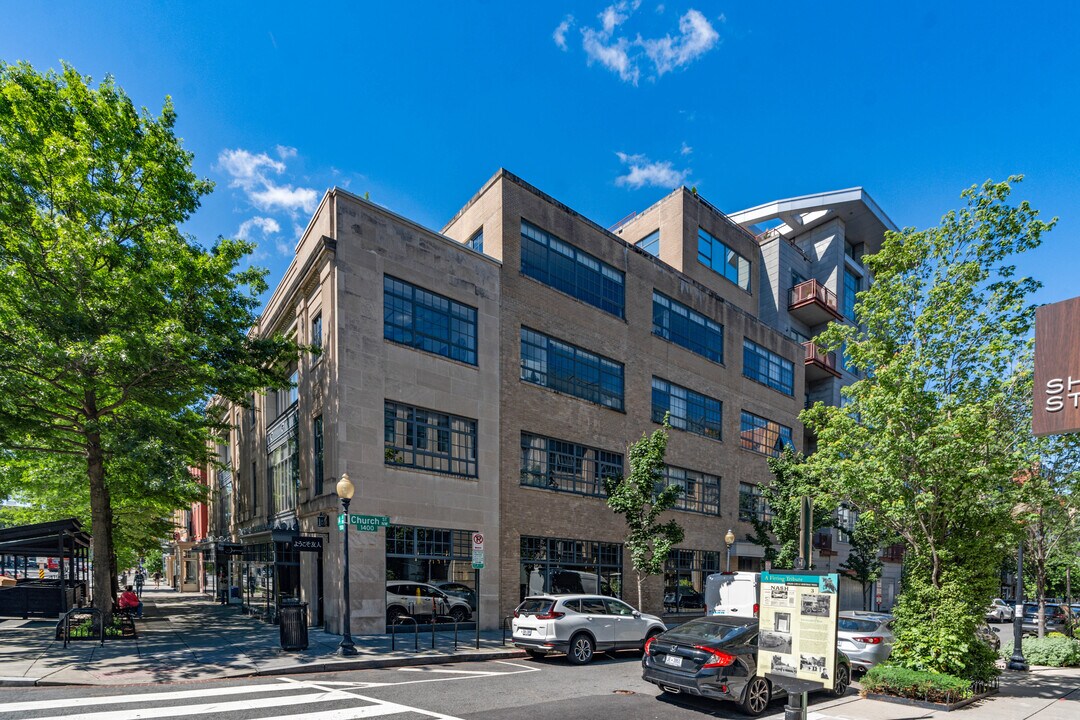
(580, 626)
(416, 599)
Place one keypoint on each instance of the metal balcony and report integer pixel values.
(814, 304)
(820, 365)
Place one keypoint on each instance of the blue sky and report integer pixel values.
(604, 106)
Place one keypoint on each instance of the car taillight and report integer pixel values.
(516, 614)
(755, 609)
(868, 640)
(550, 615)
(648, 643)
(717, 658)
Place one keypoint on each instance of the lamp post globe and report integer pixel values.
(729, 539)
(345, 491)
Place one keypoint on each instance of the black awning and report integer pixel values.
(46, 538)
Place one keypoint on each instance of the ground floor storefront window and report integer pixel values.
(558, 565)
(684, 578)
(270, 573)
(433, 556)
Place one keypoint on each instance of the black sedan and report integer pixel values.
(716, 657)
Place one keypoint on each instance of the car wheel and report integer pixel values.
(394, 614)
(536, 654)
(459, 614)
(581, 649)
(757, 697)
(843, 679)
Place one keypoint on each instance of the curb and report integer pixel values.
(375, 664)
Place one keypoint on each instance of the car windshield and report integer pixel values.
(713, 631)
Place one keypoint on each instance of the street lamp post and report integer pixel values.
(1017, 661)
(345, 490)
(730, 540)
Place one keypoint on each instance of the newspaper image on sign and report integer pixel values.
(797, 636)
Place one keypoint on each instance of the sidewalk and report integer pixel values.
(185, 637)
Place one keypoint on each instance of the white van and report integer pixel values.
(732, 593)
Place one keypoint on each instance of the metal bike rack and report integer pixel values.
(416, 632)
(444, 619)
(506, 624)
(83, 611)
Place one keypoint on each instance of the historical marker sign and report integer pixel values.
(1056, 409)
(797, 638)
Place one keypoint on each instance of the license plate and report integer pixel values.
(673, 660)
(524, 631)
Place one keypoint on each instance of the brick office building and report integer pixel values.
(487, 378)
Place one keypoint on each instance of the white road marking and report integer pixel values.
(474, 673)
(208, 708)
(381, 703)
(143, 697)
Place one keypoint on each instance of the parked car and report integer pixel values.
(421, 600)
(580, 626)
(999, 611)
(865, 637)
(1058, 618)
(716, 657)
(732, 593)
(684, 599)
(459, 590)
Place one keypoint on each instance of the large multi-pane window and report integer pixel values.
(721, 259)
(762, 435)
(678, 323)
(567, 368)
(566, 466)
(684, 577)
(435, 441)
(752, 503)
(701, 491)
(852, 285)
(317, 453)
(283, 461)
(687, 410)
(428, 321)
(553, 262)
(651, 243)
(557, 565)
(766, 367)
(431, 555)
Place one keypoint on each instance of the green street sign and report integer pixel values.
(364, 523)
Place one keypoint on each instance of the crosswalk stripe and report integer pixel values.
(207, 708)
(360, 712)
(144, 697)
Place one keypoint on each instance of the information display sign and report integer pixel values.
(797, 635)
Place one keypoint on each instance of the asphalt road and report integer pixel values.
(495, 690)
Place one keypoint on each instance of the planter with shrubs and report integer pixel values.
(923, 689)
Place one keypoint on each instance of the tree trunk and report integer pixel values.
(100, 525)
(640, 580)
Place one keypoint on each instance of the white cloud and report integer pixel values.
(613, 56)
(266, 225)
(686, 149)
(252, 173)
(621, 54)
(559, 36)
(697, 37)
(644, 173)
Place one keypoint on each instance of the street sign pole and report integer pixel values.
(476, 574)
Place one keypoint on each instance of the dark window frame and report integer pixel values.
(317, 449)
(564, 367)
(681, 324)
(565, 466)
(773, 432)
(709, 246)
(558, 264)
(770, 369)
(707, 422)
(424, 320)
(432, 441)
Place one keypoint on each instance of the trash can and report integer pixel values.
(293, 625)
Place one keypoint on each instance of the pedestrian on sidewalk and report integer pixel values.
(157, 580)
(140, 580)
(130, 601)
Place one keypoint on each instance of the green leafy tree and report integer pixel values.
(792, 481)
(641, 498)
(114, 325)
(929, 441)
(863, 563)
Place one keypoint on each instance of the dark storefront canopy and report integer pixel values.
(64, 540)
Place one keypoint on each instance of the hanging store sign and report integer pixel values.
(307, 543)
(230, 549)
(1056, 407)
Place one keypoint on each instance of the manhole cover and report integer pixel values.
(624, 692)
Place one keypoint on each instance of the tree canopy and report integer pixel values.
(115, 326)
(929, 441)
